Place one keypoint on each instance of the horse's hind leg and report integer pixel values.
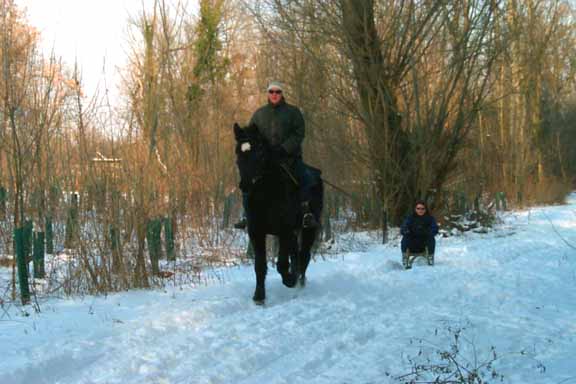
(288, 246)
(260, 266)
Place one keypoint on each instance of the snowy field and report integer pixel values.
(509, 295)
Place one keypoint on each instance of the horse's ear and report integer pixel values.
(237, 131)
(251, 129)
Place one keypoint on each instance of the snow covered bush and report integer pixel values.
(477, 221)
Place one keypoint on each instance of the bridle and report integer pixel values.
(254, 148)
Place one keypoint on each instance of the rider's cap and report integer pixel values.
(275, 85)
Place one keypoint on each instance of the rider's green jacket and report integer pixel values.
(281, 124)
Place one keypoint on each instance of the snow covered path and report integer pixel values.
(357, 321)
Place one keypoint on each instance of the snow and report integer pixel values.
(360, 319)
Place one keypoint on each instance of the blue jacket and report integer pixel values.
(420, 227)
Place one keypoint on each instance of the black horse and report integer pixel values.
(273, 207)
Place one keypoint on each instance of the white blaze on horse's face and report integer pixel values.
(245, 147)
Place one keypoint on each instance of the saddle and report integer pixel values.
(315, 174)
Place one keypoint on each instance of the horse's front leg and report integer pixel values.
(304, 254)
(288, 249)
(260, 266)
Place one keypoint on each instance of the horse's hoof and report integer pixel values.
(302, 281)
(289, 280)
(259, 295)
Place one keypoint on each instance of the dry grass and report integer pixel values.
(5, 261)
(548, 192)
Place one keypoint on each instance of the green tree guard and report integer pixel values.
(115, 245)
(101, 192)
(455, 203)
(463, 203)
(39, 271)
(501, 201)
(54, 199)
(384, 226)
(37, 199)
(356, 203)
(49, 236)
(477, 204)
(22, 265)
(228, 202)
(28, 238)
(366, 208)
(504, 202)
(3, 199)
(153, 237)
(169, 238)
(376, 212)
(460, 203)
(72, 224)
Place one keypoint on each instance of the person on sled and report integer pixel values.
(282, 124)
(418, 231)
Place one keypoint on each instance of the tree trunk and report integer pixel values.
(388, 146)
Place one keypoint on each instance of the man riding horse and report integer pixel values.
(282, 124)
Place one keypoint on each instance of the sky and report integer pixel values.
(93, 32)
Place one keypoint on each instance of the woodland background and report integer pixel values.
(467, 104)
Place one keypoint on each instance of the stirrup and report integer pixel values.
(309, 221)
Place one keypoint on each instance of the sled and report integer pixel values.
(409, 256)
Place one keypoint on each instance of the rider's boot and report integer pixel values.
(308, 219)
(242, 224)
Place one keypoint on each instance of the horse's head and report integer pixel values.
(251, 155)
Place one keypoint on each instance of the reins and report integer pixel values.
(289, 173)
(340, 190)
